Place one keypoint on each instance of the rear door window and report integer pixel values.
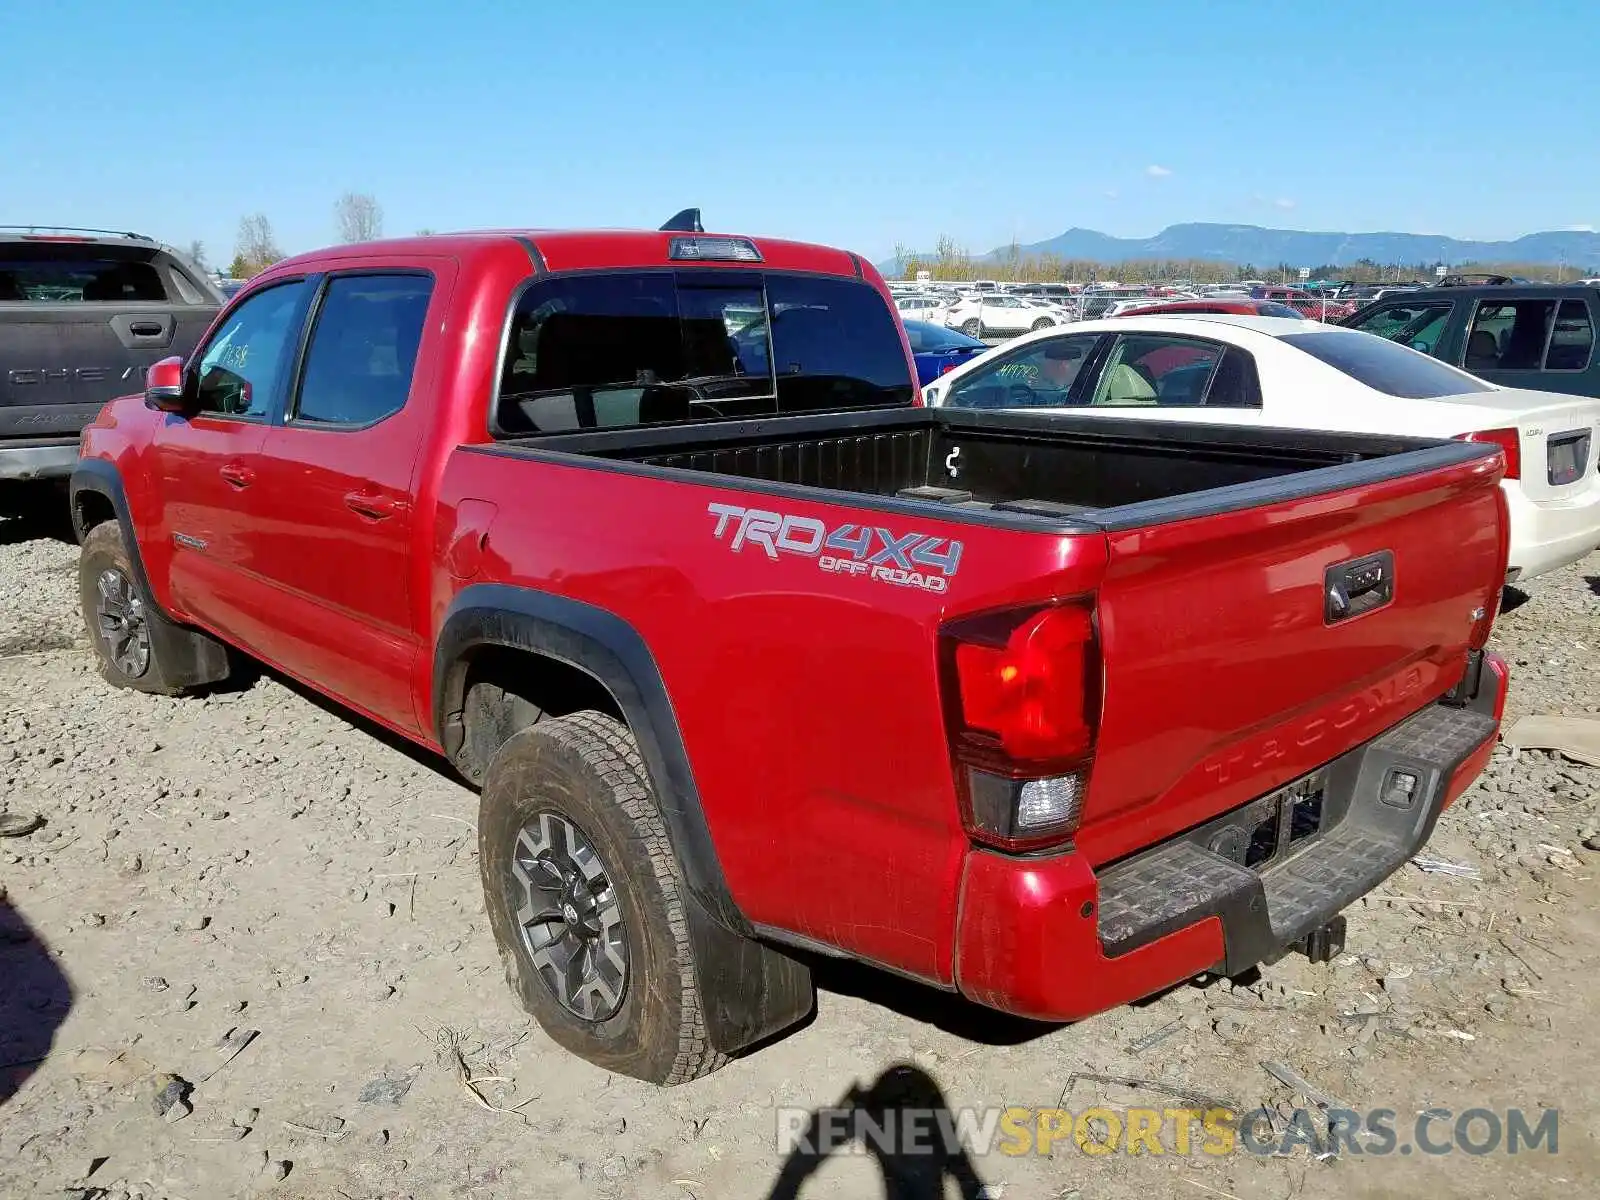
(1509, 335)
(1572, 340)
(1145, 368)
(363, 349)
(662, 347)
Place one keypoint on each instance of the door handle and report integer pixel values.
(373, 506)
(238, 476)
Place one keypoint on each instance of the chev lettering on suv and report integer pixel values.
(752, 657)
(83, 313)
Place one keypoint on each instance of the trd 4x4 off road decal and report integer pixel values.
(906, 560)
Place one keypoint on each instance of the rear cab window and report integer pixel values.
(1385, 366)
(87, 272)
(652, 347)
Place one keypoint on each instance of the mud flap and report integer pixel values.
(749, 991)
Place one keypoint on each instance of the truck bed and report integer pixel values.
(993, 466)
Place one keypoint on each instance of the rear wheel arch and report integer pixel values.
(581, 658)
(569, 656)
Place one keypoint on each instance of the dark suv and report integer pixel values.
(83, 312)
(1538, 336)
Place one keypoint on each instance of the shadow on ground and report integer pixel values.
(1594, 583)
(943, 1010)
(903, 1122)
(34, 1000)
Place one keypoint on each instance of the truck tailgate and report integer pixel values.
(1229, 671)
(60, 362)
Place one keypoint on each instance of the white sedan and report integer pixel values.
(992, 313)
(1235, 370)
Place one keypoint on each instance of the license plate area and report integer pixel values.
(1269, 829)
(1568, 456)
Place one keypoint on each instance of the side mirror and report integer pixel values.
(163, 385)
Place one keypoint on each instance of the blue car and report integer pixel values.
(937, 349)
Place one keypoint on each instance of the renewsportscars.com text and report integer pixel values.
(1216, 1132)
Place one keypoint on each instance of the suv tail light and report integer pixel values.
(1508, 440)
(1022, 700)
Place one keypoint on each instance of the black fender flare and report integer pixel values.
(102, 477)
(602, 645)
(750, 990)
(190, 658)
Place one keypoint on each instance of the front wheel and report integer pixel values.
(972, 329)
(585, 897)
(133, 643)
(1042, 323)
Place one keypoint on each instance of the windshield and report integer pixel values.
(1385, 366)
(1271, 308)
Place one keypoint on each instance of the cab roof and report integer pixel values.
(581, 249)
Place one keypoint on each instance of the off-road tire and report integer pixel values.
(103, 549)
(586, 768)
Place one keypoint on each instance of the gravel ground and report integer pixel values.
(246, 955)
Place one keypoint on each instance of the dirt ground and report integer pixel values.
(258, 896)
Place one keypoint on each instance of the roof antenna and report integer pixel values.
(688, 221)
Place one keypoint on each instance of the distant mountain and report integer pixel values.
(1269, 247)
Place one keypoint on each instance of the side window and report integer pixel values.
(1235, 383)
(1509, 335)
(1041, 376)
(1572, 340)
(243, 364)
(1147, 368)
(834, 345)
(594, 351)
(363, 349)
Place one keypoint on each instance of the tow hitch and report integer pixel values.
(1324, 944)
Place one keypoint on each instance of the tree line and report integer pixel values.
(951, 262)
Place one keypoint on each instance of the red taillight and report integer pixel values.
(1023, 701)
(948, 367)
(1031, 691)
(1508, 440)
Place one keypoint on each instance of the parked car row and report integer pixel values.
(993, 313)
(1253, 370)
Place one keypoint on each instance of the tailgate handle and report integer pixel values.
(1358, 586)
(145, 328)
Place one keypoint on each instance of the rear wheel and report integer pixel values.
(585, 897)
(972, 328)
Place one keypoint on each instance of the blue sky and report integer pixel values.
(855, 123)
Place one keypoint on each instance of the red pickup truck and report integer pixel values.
(753, 658)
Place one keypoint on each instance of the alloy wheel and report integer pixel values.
(121, 622)
(570, 917)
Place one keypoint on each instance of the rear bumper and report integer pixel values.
(38, 459)
(1046, 938)
(1552, 534)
